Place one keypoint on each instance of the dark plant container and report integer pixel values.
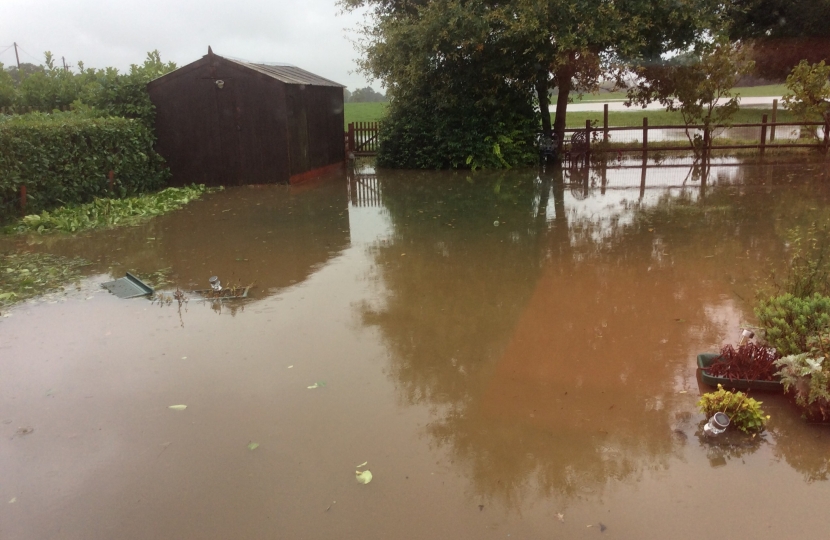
(705, 360)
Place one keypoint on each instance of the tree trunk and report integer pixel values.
(564, 83)
(544, 103)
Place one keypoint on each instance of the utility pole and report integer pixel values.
(63, 59)
(17, 56)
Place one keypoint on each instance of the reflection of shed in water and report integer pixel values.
(226, 122)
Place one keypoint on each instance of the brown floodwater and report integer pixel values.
(512, 353)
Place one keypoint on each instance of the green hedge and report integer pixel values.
(65, 158)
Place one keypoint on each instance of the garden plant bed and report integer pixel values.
(705, 360)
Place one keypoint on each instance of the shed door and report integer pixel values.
(226, 129)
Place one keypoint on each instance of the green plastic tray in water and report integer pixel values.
(707, 359)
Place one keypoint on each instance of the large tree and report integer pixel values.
(519, 47)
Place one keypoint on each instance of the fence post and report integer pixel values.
(774, 119)
(23, 199)
(826, 131)
(645, 138)
(587, 142)
(112, 173)
(351, 136)
(605, 124)
(763, 134)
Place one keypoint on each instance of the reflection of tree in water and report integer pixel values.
(549, 350)
(803, 446)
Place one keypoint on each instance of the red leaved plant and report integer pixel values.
(750, 362)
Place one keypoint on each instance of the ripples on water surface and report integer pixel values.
(530, 379)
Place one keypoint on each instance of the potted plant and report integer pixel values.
(748, 367)
(744, 412)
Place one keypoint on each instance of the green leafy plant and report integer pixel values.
(790, 322)
(26, 275)
(808, 92)
(744, 412)
(807, 376)
(110, 212)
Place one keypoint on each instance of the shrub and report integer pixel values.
(744, 412)
(807, 376)
(750, 362)
(790, 322)
(65, 158)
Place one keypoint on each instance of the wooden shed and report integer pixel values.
(221, 121)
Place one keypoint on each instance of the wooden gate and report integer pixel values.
(363, 139)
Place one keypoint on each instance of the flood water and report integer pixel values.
(512, 353)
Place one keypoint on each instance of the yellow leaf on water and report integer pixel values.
(363, 477)
(253, 446)
(177, 407)
(363, 464)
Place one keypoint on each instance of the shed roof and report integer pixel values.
(288, 74)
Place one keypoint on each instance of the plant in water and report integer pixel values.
(807, 376)
(110, 212)
(744, 412)
(750, 362)
(26, 275)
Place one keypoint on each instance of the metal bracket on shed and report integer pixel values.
(128, 287)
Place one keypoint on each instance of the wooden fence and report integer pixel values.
(594, 135)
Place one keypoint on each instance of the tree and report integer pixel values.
(808, 92)
(694, 84)
(524, 45)
(781, 33)
(366, 95)
(7, 89)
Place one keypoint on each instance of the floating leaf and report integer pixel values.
(177, 407)
(13, 500)
(363, 464)
(253, 446)
(313, 386)
(363, 477)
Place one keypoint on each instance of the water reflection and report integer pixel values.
(549, 319)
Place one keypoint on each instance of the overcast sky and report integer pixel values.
(311, 34)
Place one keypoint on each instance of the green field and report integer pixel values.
(372, 112)
(773, 90)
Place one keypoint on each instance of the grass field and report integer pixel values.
(372, 112)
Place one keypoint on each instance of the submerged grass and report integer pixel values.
(26, 275)
(102, 213)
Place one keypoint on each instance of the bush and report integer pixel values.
(64, 158)
(791, 322)
(807, 376)
(440, 128)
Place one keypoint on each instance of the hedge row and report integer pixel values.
(65, 158)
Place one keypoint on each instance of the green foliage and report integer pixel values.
(26, 275)
(807, 375)
(808, 271)
(791, 322)
(110, 212)
(7, 89)
(465, 134)
(364, 95)
(744, 412)
(64, 158)
(808, 92)
(110, 92)
(693, 83)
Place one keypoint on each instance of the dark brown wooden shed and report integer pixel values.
(221, 121)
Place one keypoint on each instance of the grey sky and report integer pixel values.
(311, 34)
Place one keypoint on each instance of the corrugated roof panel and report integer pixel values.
(289, 74)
